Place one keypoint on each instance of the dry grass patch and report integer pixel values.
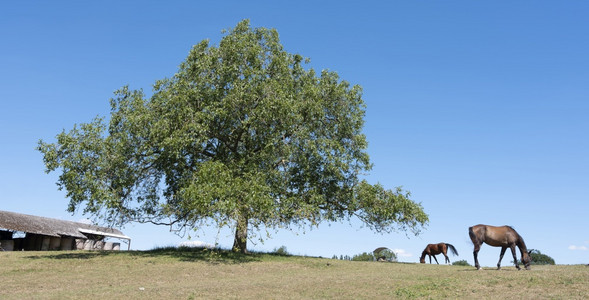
(198, 274)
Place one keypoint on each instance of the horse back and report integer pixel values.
(435, 249)
(498, 236)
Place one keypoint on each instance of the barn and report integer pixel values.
(33, 233)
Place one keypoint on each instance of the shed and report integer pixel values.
(53, 234)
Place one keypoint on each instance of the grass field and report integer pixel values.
(214, 274)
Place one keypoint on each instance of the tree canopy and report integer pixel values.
(539, 258)
(243, 135)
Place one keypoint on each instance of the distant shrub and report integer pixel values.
(540, 259)
(460, 263)
(363, 257)
(281, 251)
(342, 257)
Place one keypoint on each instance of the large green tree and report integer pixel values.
(243, 135)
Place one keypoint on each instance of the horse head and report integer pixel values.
(527, 259)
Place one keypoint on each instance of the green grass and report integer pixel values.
(170, 273)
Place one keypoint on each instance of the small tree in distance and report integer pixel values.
(281, 251)
(243, 135)
(460, 263)
(539, 258)
(386, 255)
(365, 256)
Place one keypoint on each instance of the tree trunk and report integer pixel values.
(240, 241)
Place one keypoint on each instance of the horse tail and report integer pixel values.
(473, 236)
(452, 249)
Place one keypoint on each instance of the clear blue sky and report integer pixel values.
(480, 109)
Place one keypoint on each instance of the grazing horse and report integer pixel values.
(498, 236)
(435, 249)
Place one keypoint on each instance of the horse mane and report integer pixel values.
(519, 237)
(520, 240)
(520, 243)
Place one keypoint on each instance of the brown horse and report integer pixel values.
(435, 249)
(501, 236)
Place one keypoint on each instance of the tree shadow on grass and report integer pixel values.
(213, 256)
(81, 254)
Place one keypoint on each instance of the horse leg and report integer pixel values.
(501, 257)
(430, 258)
(435, 259)
(514, 257)
(447, 258)
(475, 253)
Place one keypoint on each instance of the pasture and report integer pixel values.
(171, 273)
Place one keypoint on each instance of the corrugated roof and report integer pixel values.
(378, 250)
(97, 232)
(52, 227)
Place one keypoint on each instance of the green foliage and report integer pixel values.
(281, 251)
(540, 259)
(387, 255)
(342, 257)
(365, 256)
(460, 263)
(243, 135)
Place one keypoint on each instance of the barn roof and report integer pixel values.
(379, 249)
(54, 227)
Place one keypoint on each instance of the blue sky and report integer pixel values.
(480, 109)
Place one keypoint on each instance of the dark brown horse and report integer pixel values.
(435, 249)
(501, 236)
